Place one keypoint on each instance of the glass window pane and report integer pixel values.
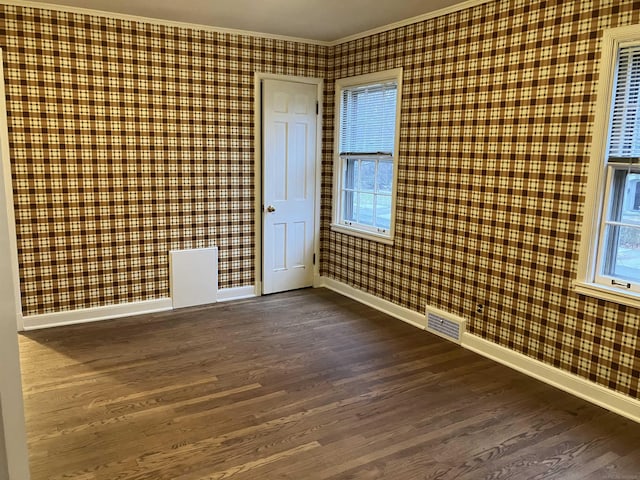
(385, 176)
(349, 206)
(365, 209)
(383, 211)
(350, 173)
(623, 253)
(367, 175)
(630, 207)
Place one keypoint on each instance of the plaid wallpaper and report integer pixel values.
(497, 116)
(128, 140)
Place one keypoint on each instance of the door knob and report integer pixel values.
(271, 209)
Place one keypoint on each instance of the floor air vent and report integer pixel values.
(446, 326)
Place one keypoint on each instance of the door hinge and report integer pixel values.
(317, 108)
(314, 258)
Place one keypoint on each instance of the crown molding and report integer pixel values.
(208, 28)
(410, 21)
(156, 21)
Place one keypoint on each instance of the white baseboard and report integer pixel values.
(86, 315)
(568, 382)
(385, 306)
(108, 312)
(235, 293)
(573, 384)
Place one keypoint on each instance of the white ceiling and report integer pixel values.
(322, 20)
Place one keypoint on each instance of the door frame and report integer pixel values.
(7, 201)
(12, 425)
(258, 130)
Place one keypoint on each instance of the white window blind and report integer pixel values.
(624, 136)
(368, 120)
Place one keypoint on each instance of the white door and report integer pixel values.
(289, 183)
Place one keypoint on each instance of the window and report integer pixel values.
(366, 146)
(610, 256)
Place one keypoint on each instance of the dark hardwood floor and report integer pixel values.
(301, 385)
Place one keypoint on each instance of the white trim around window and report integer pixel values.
(350, 165)
(605, 176)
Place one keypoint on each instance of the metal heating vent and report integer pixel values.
(446, 327)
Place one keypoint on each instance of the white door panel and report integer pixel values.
(298, 170)
(298, 245)
(279, 161)
(289, 151)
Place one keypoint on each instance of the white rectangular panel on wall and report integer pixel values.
(193, 276)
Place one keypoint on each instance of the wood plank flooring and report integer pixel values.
(301, 385)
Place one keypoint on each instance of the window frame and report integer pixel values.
(337, 224)
(589, 280)
(613, 209)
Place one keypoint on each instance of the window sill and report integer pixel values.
(612, 294)
(362, 234)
